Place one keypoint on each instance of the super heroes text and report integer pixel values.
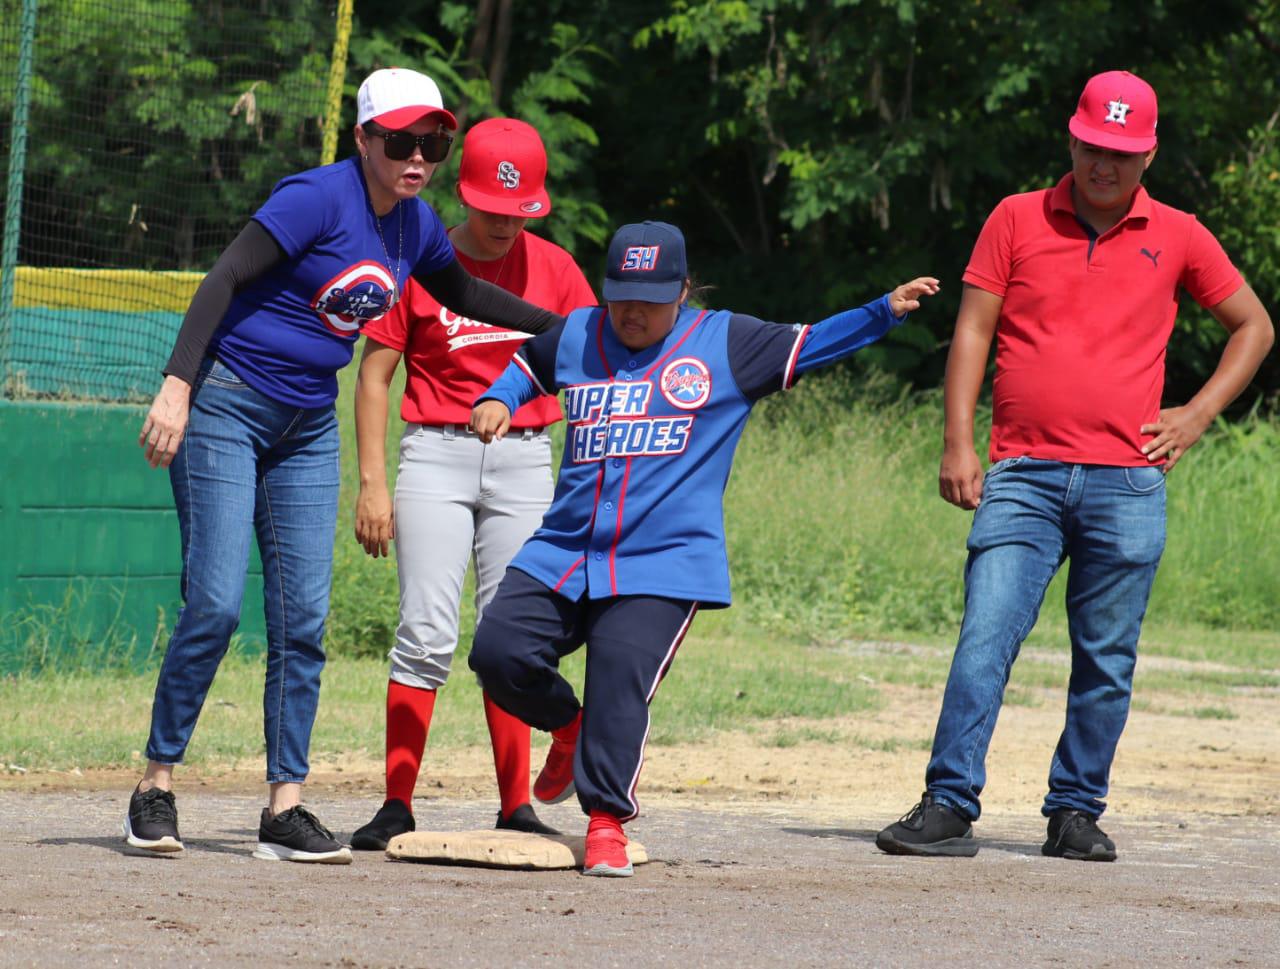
(611, 420)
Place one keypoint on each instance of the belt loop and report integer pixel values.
(529, 433)
(449, 431)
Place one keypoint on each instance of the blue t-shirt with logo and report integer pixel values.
(287, 333)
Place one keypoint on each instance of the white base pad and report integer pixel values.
(497, 849)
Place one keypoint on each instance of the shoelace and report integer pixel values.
(157, 805)
(1076, 821)
(915, 816)
(307, 819)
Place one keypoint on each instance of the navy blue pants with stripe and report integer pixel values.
(631, 640)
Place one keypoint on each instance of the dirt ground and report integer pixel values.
(763, 855)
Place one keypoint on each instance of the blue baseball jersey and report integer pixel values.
(638, 507)
(288, 332)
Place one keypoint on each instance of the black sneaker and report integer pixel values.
(152, 822)
(929, 828)
(297, 835)
(523, 819)
(393, 818)
(1074, 834)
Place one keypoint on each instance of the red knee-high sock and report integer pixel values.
(510, 736)
(409, 711)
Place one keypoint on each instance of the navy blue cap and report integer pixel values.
(646, 262)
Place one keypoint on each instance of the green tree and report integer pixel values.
(157, 127)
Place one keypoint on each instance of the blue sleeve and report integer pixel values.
(435, 251)
(762, 355)
(838, 336)
(531, 373)
(297, 213)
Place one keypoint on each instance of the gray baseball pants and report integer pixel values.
(457, 497)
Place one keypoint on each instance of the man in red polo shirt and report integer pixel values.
(1080, 284)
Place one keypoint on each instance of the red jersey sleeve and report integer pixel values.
(992, 258)
(392, 328)
(1208, 274)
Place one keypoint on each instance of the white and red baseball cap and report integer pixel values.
(504, 169)
(1117, 110)
(396, 97)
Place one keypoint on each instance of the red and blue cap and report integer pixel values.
(1117, 110)
(646, 263)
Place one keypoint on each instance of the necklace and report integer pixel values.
(386, 256)
(502, 267)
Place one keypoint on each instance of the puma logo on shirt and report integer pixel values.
(1155, 258)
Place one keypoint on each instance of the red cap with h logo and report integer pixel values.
(1117, 110)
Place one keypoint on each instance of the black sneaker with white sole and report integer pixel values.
(298, 835)
(929, 828)
(525, 819)
(152, 822)
(1076, 835)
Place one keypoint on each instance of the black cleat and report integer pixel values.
(929, 828)
(152, 822)
(523, 819)
(1074, 834)
(298, 835)
(393, 818)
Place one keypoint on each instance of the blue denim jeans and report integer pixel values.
(1110, 523)
(249, 463)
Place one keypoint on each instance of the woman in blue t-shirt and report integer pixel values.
(245, 423)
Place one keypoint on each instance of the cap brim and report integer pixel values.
(619, 291)
(1110, 139)
(535, 206)
(402, 118)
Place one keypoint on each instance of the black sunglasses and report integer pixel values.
(400, 144)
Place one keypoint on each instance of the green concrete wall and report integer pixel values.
(89, 543)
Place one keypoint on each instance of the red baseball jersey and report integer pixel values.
(1081, 338)
(451, 360)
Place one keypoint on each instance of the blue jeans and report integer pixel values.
(249, 463)
(1034, 514)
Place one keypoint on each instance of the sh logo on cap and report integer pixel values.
(640, 258)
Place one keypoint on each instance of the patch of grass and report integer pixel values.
(53, 638)
(1212, 713)
(892, 745)
(794, 736)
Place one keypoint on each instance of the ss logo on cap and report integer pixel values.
(508, 175)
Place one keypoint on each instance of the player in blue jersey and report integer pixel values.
(656, 396)
(245, 422)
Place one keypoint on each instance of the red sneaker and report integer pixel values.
(606, 848)
(555, 781)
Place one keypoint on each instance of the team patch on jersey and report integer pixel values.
(686, 383)
(355, 296)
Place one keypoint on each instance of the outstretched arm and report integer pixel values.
(457, 289)
(838, 336)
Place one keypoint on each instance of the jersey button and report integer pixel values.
(631, 364)
(617, 463)
(608, 506)
(624, 376)
(599, 556)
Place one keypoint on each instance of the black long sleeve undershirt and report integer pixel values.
(251, 253)
(457, 289)
(255, 251)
